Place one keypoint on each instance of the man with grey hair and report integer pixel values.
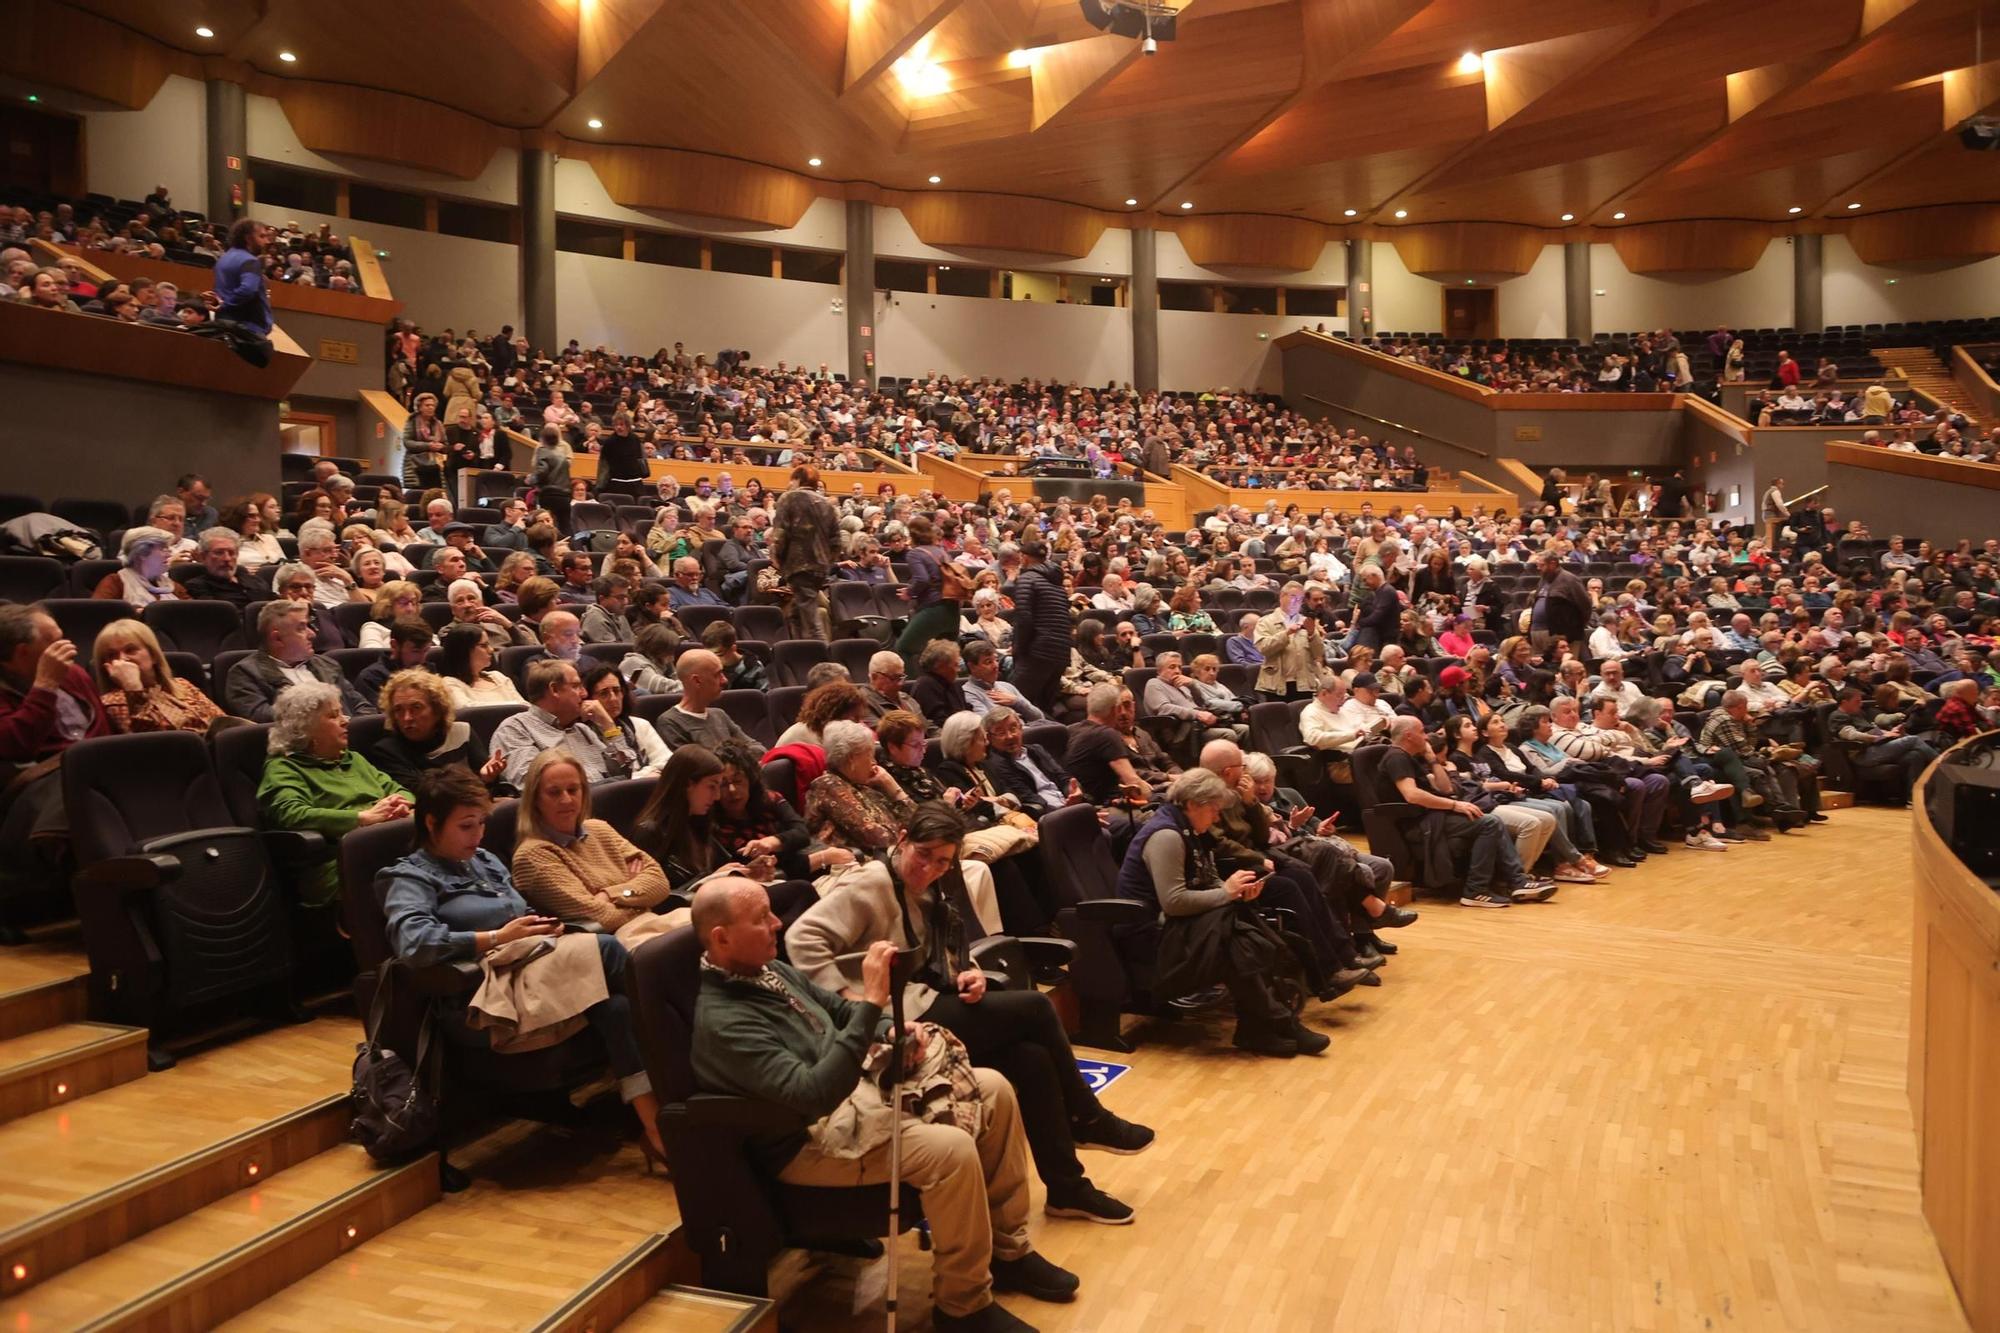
(1461, 841)
(1168, 694)
(884, 691)
(693, 721)
(221, 578)
(285, 657)
(168, 513)
(319, 551)
(560, 713)
(1098, 757)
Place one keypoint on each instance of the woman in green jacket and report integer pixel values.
(315, 784)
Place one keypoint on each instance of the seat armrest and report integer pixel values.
(446, 980)
(1398, 809)
(1115, 911)
(136, 873)
(292, 848)
(1047, 950)
(739, 1117)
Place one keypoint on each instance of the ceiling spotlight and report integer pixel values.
(1402, 213)
(936, 180)
(1187, 203)
(1569, 217)
(1347, 212)
(204, 31)
(1131, 203)
(1795, 209)
(288, 57)
(1852, 207)
(1617, 217)
(1470, 63)
(812, 161)
(944, 268)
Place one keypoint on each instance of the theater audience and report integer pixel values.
(857, 803)
(575, 868)
(608, 690)
(560, 712)
(315, 784)
(465, 664)
(285, 657)
(424, 733)
(139, 689)
(142, 578)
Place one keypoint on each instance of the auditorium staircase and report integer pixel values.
(224, 1193)
(1922, 369)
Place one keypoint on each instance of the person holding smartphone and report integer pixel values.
(1293, 645)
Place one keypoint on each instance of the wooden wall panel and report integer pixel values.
(697, 183)
(52, 44)
(955, 221)
(1253, 240)
(385, 127)
(1707, 246)
(1470, 247)
(117, 350)
(1956, 231)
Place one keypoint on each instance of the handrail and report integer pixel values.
(369, 269)
(1392, 365)
(1735, 427)
(1927, 467)
(55, 254)
(1982, 386)
(1396, 425)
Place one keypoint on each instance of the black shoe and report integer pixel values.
(1484, 898)
(1816, 818)
(1372, 979)
(1619, 861)
(1263, 1041)
(1111, 1134)
(1637, 855)
(1654, 847)
(1308, 1041)
(1032, 1275)
(1370, 960)
(1392, 917)
(1082, 1200)
(1383, 946)
(993, 1318)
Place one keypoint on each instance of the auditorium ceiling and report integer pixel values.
(1341, 111)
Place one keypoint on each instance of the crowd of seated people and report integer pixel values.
(156, 228)
(1552, 698)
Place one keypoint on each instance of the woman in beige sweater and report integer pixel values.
(571, 866)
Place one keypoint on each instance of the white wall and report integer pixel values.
(1175, 266)
(270, 137)
(1858, 293)
(1758, 298)
(1202, 350)
(1402, 301)
(970, 335)
(127, 153)
(1531, 306)
(639, 307)
(442, 281)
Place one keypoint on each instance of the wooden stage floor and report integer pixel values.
(1673, 1101)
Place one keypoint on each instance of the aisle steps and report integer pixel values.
(41, 987)
(59, 1064)
(699, 1310)
(1922, 369)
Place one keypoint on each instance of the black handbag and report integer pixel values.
(395, 1103)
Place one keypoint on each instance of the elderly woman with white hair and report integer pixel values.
(987, 622)
(857, 801)
(141, 578)
(313, 783)
(468, 607)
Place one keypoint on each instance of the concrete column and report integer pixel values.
(228, 139)
(1576, 291)
(538, 248)
(1360, 289)
(1145, 310)
(1808, 289)
(860, 292)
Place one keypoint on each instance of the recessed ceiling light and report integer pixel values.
(1131, 203)
(1852, 207)
(812, 161)
(935, 180)
(204, 31)
(1617, 217)
(1347, 212)
(944, 268)
(1470, 63)
(288, 57)
(1402, 212)
(1569, 217)
(1795, 209)
(594, 123)
(1187, 203)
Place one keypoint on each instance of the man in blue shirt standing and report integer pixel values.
(239, 277)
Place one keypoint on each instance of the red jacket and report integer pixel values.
(28, 721)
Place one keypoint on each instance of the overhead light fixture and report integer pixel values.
(1795, 209)
(920, 75)
(204, 31)
(812, 162)
(1471, 63)
(1617, 217)
(1402, 212)
(1024, 58)
(594, 123)
(1131, 203)
(1347, 212)
(937, 180)
(1569, 217)
(1187, 203)
(288, 57)
(1852, 207)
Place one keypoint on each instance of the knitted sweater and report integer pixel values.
(563, 881)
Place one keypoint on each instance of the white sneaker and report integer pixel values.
(1704, 841)
(1703, 793)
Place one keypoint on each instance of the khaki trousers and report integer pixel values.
(975, 1191)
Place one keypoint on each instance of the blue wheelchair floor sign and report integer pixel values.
(1100, 1074)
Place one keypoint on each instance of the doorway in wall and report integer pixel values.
(1471, 312)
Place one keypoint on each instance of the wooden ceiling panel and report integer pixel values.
(1945, 172)
(1325, 190)
(1536, 195)
(1356, 118)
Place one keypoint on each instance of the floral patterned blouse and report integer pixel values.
(861, 819)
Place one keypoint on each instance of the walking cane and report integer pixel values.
(900, 968)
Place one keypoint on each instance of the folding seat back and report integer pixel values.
(198, 627)
(81, 619)
(752, 714)
(791, 659)
(30, 578)
(760, 622)
(782, 709)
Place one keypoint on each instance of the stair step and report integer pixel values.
(85, 1177)
(66, 1062)
(553, 1228)
(40, 986)
(224, 1258)
(699, 1310)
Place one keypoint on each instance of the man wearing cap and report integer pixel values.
(459, 537)
(1365, 713)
